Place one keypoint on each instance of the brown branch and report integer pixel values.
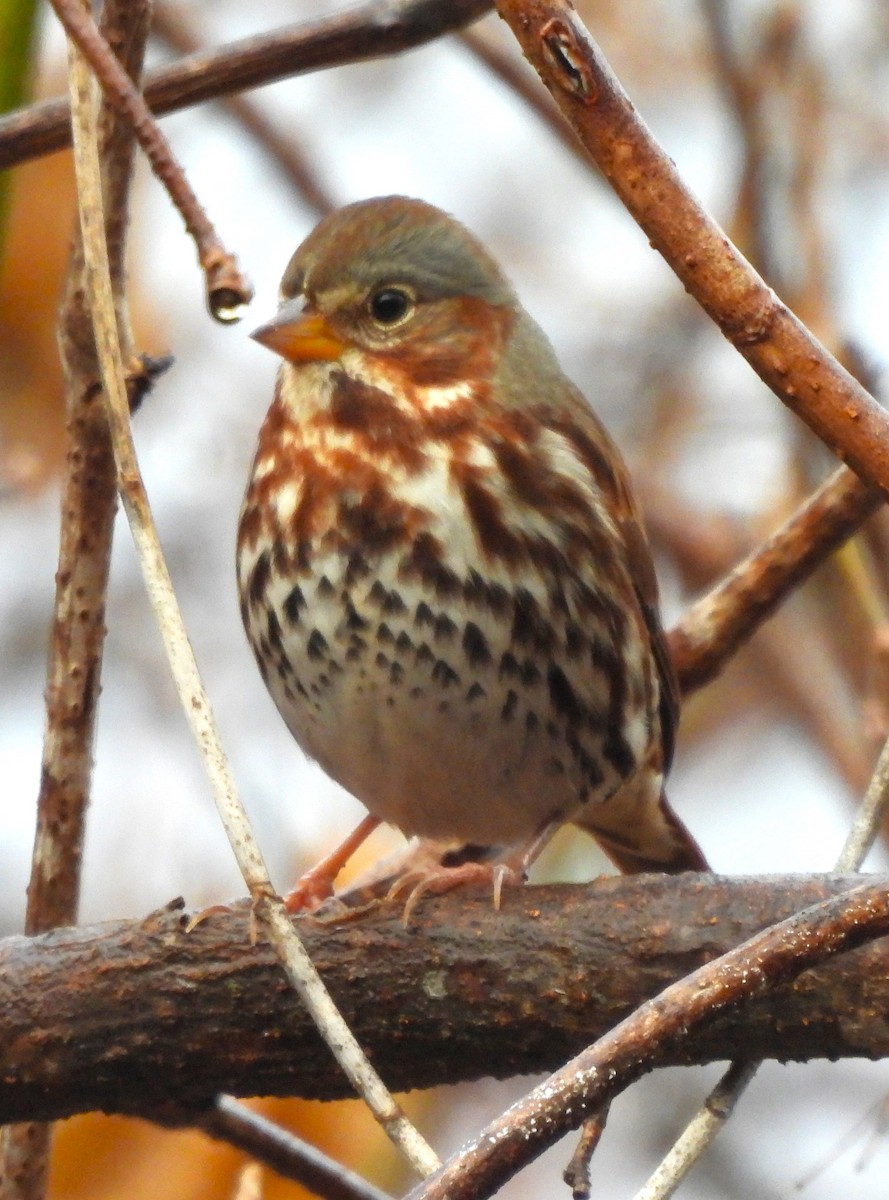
(577, 1173)
(372, 30)
(777, 955)
(139, 1016)
(797, 368)
(713, 628)
(78, 632)
(227, 290)
(228, 1121)
(172, 26)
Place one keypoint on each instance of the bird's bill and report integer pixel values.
(299, 336)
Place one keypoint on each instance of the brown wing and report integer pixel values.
(597, 449)
(645, 581)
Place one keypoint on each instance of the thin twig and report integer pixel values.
(701, 1130)
(227, 290)
(268, 908)
(376, 29)
(172, 26)
(74, 666)
(577, 1173)
(709, 1120)
(714, 627)
(793, 363)
(777, 955)
(232, 1122)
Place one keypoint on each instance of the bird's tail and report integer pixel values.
(639, 831)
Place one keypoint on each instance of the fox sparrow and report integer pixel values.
(441, 567)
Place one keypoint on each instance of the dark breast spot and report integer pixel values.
(274, 632)
(529, 626)
(425, 562)
(619, 753)
(389, 601)
(444, 674)
(475, 645)
(317, 647)
(563, 696)
(258, 579)
(490, 596)
(424, 655)
(423, 615)
(354, 619)
(444, 627)
(294, 604)
(509, 667)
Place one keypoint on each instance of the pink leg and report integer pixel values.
(317, 884)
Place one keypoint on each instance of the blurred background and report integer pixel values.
(777, 115)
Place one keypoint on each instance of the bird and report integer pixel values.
(442, 569)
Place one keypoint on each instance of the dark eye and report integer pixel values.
(390, 305)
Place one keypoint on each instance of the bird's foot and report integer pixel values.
(438, 880)
(316, 885)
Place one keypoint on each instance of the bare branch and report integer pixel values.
(288, 1155)
(140, 1016)
(365, 31)
(778, 955)
(74, 666)
(794, 364)
(227, 290)
(712, 629)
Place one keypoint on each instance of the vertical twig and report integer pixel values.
(78, 631)
(268, 908)
(226, 289)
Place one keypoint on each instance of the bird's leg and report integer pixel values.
(317, 884)
(510, 868)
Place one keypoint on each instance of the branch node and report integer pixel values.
(572, 72)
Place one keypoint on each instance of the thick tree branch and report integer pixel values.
(140, 1016)
(372, 30)
(601, 1072)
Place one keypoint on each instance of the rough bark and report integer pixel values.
(145, 1017)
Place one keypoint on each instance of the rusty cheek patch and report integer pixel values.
(461, 339)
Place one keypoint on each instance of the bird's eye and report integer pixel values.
(390, 305)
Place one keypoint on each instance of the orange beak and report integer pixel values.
(299, 336)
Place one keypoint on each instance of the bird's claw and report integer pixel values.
(438, 880)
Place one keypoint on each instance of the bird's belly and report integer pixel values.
(430, 713)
